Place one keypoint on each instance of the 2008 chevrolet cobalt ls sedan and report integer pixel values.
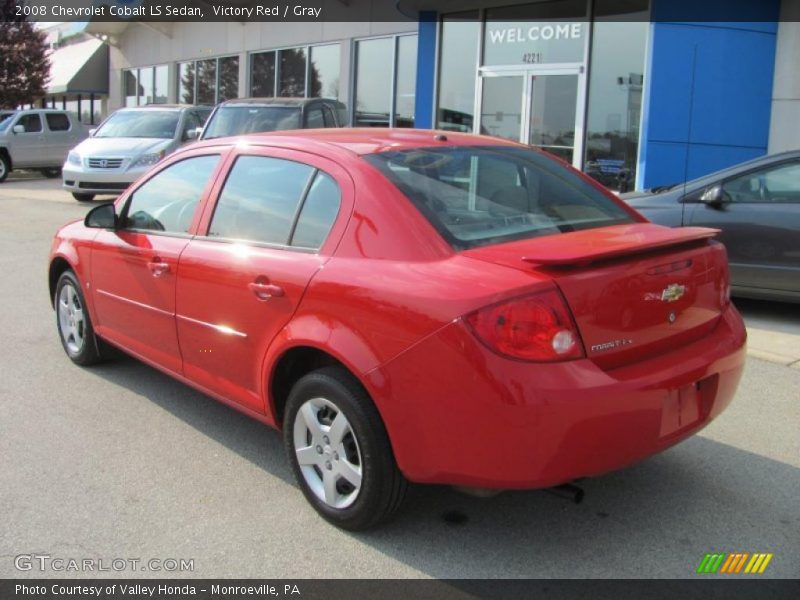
(408, 306)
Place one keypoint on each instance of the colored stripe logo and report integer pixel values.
(734, 563)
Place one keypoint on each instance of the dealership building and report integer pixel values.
(635, 92)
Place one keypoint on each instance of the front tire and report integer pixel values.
(5, 167)
(73, 322)
(340, 452)
(83, 197)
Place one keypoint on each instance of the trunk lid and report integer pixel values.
(634, 290)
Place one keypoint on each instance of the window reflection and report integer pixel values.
(406, 85)
(457, 71)
(292, 72)
(262, 75)
(324, 71)
(373, 82)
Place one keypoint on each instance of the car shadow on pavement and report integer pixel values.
(654, 519)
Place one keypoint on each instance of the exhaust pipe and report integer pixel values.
(568, 491)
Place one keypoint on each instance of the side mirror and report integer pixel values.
(101, 217)
(92, 132)
(18, 129)
(192, 134)
(714, 196)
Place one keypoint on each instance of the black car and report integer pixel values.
(256, 115)
(757, 206)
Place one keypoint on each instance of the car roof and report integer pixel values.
(175, 107)
(360, 141)
(276, 101)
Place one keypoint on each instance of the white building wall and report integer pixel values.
(785, 123)
(146, 44)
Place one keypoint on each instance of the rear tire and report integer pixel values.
(5, 167)
(348, 472)
(83, 197)
(51, 173)
(73, 322)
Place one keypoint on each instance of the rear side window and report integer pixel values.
(57, 122)
(481, 195)
(167, 202)
(318, 213)
(275, 201)
(31, 123)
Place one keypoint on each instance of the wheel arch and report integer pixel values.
(58, 265)
(303, 346)
(7, 155)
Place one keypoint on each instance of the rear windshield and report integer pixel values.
(481, 195)
(238, 120)
(140, 124)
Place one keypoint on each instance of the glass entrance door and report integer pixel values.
(540, 108)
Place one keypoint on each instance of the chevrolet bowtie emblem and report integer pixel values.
(673, 292)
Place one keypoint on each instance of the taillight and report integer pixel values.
(537, 328)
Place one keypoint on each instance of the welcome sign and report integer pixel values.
(513, 43)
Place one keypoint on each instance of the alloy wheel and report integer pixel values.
(327, 452)
(71, 319)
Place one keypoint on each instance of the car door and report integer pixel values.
(134, 267)
(27, 148)
(759, 215)
(60, 137)
(240, 283)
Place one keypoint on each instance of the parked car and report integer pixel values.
(756, 205)
(128, 143)
(256, 115)
(37, 139)
(408, 306)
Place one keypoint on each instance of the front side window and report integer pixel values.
(168, 200)
(482, 195)
(314, 118)
(57, 122)
(780, 184)
(140, 124)
(31, 123)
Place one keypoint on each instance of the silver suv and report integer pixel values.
(37, 139)
(126, 145)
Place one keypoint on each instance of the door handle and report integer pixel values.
(264, 290)
(157, 267)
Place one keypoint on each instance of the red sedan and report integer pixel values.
(408, 306)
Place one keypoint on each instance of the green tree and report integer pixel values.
(24, 62)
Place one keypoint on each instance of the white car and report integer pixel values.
(126, 145)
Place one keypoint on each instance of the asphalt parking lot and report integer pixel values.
(120, 461)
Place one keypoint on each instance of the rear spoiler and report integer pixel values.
(585, 247)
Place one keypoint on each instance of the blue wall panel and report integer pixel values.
(426, 61)
(708, 96)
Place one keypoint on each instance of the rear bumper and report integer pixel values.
(459, 414)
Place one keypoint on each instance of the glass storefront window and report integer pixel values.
(457, 71)
(186, 81)
(501, 109)
(262, 75)
(145, 86)
(406, 82)
(616, 80)
(160, 84)
(373, 104)
(292, 72)
(228, 78)
(206, 81)
(530, 34)
(131, 87)
(324, 71)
